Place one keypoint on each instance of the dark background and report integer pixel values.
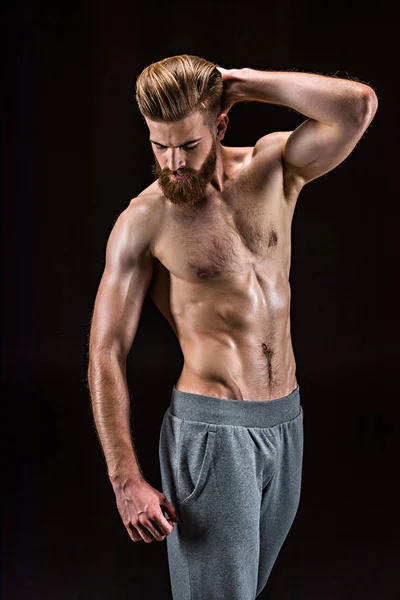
(75, 152)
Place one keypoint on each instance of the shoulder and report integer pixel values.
(269, 150)
(150, 202)
(139, 222)
(272, 144)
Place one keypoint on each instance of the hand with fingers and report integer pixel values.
(230, 90)
(141, 508)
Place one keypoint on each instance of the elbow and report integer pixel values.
(365, 106)
(371, 104)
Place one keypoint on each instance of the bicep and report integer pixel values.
(315, 148)
(118, 307)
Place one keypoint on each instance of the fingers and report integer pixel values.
(146, 530)
(133, 533)
(169, 508)
(150, 524)
(139, 533)
(223, 71)
(149, 529)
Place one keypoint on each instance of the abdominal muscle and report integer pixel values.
(235, 337)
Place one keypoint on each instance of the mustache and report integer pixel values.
(179, 172)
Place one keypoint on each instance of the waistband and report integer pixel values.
(248, 413)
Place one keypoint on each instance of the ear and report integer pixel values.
(221, 125)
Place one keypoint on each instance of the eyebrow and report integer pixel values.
(184, 144)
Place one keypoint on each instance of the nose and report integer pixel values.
(175, 160)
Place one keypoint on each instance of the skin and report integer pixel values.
(213, 251)
(223, 255)
(222, 262)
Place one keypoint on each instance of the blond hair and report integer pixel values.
(171, 89)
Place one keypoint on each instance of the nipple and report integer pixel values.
(273, 238)
(205, 273)
(202, 273)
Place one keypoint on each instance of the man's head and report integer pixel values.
(180, 99)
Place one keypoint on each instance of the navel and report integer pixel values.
(268, 353)
(265, 349)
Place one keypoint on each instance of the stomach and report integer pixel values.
(236, 342)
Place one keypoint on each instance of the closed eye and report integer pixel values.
(159, 147)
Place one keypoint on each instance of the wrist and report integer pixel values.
(123, 480)
(239, 78)
(122, 474)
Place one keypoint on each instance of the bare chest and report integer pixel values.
(237, 227)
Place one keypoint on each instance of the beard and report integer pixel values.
(187, 192)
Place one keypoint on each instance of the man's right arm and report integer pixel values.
(117, 309)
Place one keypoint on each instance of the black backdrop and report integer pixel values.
(75, 152)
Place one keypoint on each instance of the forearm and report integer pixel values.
(326, 99)
(111, 409)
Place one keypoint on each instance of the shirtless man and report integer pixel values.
(210, 241)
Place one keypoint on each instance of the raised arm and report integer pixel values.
(338, 110)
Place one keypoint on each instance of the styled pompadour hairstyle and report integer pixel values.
(171, 89)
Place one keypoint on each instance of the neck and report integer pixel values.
(220, 176)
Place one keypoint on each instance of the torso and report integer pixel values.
(221, 278)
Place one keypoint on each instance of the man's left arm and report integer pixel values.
(338, 110)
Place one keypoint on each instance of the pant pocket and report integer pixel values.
(196, 448)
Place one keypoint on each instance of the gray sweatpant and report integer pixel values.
(232, 469)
